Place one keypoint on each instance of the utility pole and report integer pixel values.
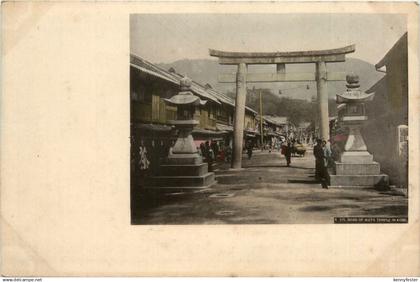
(261, 122)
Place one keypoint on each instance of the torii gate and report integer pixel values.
(243, 59)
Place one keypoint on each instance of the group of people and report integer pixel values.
(146, 157)
(323, 159)
(213, 151)
(209, 152)
(286, 149)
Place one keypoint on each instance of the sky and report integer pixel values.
(165, 38)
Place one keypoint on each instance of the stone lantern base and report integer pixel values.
(356, 168)
(358, 175)
(184, 167)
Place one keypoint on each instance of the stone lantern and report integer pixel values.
(355, 167)
(184, 151)
(184, 167)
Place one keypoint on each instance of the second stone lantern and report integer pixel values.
(184, 167)
(356, 167)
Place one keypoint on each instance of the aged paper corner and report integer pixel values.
(18, 257)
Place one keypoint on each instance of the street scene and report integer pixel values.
(295, 130)
(266, 191)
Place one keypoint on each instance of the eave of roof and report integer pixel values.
(198, 89)
(276, 120)
(147, 67)
(143, 65)
(174, 77)
(153, 73)
(384, 60)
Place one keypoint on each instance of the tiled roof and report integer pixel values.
(174, 77)
(198, 89)
(223, 98)
(276, 120)
(147, 67)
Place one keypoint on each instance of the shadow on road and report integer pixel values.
(299, 181)
(276, 166)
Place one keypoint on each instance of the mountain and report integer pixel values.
(207, 70)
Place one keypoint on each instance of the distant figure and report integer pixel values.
(215, 147)
(202, 150)
(210, 159)
(228, 153)
(209, 155)
(319, 159)
(143, 162)
(249, 148)
(288, 153)
(206, 149)
(327, 159)
(335, 151)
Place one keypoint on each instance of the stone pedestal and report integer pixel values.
(184, 167)
(356, 168)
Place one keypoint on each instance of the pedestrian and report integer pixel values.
(228, 153)
(210, 159)
(327, 159)
(288, 153)
(206, 149)
(335, 151)
(143, 163)
(202, 150)
(249, 148)
(215, 147)
(319, 159)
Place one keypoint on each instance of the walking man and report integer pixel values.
(319, 160)
(327, 159)
(249, 148)
(288, 153)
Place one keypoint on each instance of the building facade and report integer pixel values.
(150, 115)
(386, 130)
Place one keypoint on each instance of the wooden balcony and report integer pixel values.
(153, 113)
(207, 122)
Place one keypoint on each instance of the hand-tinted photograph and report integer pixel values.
(273, 119)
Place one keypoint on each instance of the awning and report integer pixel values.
(251, 131)
(223, 127)
(209, 133)
(153, 127)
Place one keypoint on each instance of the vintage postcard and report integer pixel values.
(319, 134)
(205, 139)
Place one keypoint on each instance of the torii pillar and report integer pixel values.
(322, 96)
(242, 77)
(238, 126)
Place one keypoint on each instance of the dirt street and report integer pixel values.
(265, 191)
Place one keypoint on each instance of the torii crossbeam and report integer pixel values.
(243, 59)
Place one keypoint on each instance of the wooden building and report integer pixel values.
(150, 85)
(386, 130)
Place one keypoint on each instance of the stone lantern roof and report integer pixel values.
(353, 94)
(185, 96)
